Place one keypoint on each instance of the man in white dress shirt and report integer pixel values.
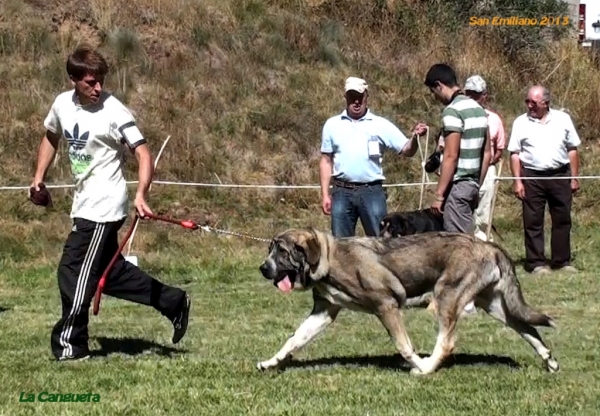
(543, 143)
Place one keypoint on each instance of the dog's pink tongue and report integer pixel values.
(285, 285)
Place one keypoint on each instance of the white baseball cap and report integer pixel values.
(475, 83)
(356, 84)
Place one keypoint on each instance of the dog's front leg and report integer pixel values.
(323, 314)
(391, 318)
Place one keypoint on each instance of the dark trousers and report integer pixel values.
(558, 195)
(89, 248)
(349, 204)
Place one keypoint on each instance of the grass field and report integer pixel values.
(238, 319)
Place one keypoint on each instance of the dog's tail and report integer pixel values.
(510, 288)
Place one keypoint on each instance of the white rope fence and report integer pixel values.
(424, 178)
(259, 186)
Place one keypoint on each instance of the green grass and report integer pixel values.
(238, 319)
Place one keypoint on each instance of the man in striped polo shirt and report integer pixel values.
(467, 151)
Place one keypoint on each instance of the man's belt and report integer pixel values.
(549, 172)
(353, 185)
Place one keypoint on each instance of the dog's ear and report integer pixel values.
(309, 244)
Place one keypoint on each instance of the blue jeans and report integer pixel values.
(369, 203)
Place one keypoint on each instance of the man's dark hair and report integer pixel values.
(441, 73)
(86, 60)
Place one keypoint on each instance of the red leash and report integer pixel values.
(102, 281)
(191, 225)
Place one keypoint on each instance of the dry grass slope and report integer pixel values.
(243, 87)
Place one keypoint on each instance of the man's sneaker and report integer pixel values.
(76, 358)
(180, 323)
(541, 270)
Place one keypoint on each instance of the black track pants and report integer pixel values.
(89, 248)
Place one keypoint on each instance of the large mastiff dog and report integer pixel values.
(378, 276)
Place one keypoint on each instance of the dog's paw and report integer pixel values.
(425, 366)
(269, 364)
(274, 363)
(552, 365)
(418, 372)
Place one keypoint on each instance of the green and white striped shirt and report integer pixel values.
(465, 116)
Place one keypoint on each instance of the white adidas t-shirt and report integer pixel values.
(96, 136)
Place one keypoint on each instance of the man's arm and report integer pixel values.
(499, 142)
(515, 167)
(449, 164)
(326, 162)
(573, 140)
(487, 157)
(145, 170)
(325, 171)
(45, 155)
(394, 139)
(514, 148)
(574, 160)
(128, 134)
(411, 147)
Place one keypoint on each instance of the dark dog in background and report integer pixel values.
(398, 224)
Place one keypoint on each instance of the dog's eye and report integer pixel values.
(283, 252)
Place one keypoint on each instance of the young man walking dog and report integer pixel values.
(98, 129)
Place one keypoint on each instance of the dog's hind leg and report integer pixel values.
(449, 301)
(322, 315)
(391, 318)
(446, 338)
(493, 302)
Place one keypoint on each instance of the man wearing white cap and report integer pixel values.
(352, 144)
(476, 88)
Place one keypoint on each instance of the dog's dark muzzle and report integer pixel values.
(266, 271)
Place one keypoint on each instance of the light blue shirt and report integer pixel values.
(348, 142)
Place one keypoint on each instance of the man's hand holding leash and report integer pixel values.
(141, 207)
(420, 129)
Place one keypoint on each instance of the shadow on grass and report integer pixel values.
(132, 346)
(3, 309)
(396, 362)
